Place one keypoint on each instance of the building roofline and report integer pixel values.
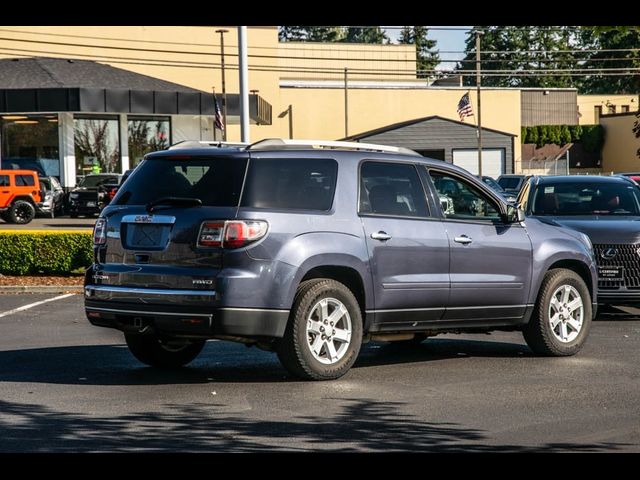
(621, 114)
(406, 123)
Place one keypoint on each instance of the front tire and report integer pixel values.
(324, 333)
(163, 352)
(561, 319)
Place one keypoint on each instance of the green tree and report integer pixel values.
(532, 136)
(295, 33)
(521, 50)
(311, 34)
(427, 58)
(613, 45)
(565, 135)
(364, 35)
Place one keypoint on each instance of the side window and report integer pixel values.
(25, 181)
(4, 180)
(391, 189)
(291, 183)
(461, 200)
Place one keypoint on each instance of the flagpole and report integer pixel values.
(215, 136)
(479, 119)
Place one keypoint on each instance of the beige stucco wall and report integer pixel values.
(620, 144)
(587, 104)
(317, 112)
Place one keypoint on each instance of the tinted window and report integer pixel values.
(215, 181)
(300, 184)
(511, 183)
(25, 181)
(391, 189)
(461, 200)
(584, 198)
(97, 180)
(4, 180)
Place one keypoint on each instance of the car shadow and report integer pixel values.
(220, 362)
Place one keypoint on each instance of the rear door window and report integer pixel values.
(4, 180)
(290, 183)
(392, 189)
(25, 181)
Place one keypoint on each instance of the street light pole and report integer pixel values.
(478, 80)
(224, 87)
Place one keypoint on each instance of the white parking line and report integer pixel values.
(35, 304)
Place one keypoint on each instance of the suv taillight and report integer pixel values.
(100, 232)
(231, 233)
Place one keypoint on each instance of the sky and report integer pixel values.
(447, 40)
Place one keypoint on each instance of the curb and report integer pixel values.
(42, 289)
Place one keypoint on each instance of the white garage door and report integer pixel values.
(492, 161)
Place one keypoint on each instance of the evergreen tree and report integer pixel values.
(611, 38)
(520, 49)
(364, 35)
(427, 58)
(292, 33)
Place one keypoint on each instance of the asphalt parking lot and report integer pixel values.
(45, 223)
(68, 386)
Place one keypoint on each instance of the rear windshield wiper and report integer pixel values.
(174, 202)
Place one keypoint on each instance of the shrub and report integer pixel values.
(592, 137)
(576, 133)
(565, 135)
(25, 252)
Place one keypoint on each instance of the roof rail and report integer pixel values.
(279, 144)
(206, 143)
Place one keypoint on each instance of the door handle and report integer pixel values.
(463, 239)
(381, 236)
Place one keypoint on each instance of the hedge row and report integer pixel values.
(591, 136)
(44, 252)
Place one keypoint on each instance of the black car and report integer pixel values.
(509, 197)
(91, 196)
(607, 209)
(512, 183)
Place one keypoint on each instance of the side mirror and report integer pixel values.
(514, 214)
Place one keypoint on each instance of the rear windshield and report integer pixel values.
(586, 198)
(298, 184)
(510, 182)
(215, 181)
(95, 181)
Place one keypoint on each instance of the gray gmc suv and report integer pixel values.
(311, 251)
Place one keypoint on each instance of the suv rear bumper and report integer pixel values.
(176, 312)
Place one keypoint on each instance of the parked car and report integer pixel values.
(53, 196)
(112, 188)
(309, 252)
(20, 195)
(509, 197)
(90, 196)
(635, 176)
(607, 209)
(512, 183)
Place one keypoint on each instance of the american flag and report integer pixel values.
(464, 107)
(218, 122)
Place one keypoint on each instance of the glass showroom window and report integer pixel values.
(30, 142)
(147, 134)
(97, 145)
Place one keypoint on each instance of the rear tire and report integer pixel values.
(561, 319)
(312, 349)
(21, 212)
(163, 352)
